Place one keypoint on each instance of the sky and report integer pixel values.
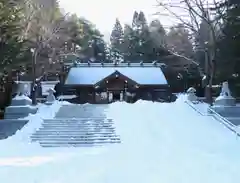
(104, 13)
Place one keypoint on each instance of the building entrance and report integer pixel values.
(116, 96)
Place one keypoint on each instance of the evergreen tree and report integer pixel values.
(178, 40)
(99, 47)
(128, 44)
(157, 33)
(83, 33)
(141, 21)
(135, 20)
(229, 56)
(10, 30)
(140, 38)
(143, 42)
(143, 38)
(116, 40)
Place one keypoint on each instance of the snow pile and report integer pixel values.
(20, 143)
(161, 142)
(35, 120)
(181, 98)
(171, 142)
(22, 97)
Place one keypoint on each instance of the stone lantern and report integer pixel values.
(191, 94)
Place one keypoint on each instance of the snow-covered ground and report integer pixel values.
(161, 142)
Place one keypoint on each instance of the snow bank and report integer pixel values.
(22, 97)
(181, 98)
(170, 142)
(35, 120)
(20, 143)
(161, 142)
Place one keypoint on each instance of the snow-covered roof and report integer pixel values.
(92, 75)
(112, 64)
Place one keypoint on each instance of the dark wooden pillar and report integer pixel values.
(107, 96)
(94, 96)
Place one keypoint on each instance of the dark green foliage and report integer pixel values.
(83, 33)
(229, 42)
(116, 40)
(10, 45)
(141, 42)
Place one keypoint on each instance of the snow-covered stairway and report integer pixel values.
(77, 125)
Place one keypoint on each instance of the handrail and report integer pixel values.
(218, 117)
(221, 117)
(224, 121)
(195, 108)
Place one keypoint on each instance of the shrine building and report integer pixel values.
(107, 82)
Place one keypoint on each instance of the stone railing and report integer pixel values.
(224, 108)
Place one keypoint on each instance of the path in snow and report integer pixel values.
(167, 143)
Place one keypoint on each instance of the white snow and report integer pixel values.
(21, 140)
(22, 97)
(161, 142)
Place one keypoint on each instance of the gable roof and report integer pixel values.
(92, 75)
(113, 75)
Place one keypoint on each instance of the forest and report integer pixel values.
(42, 31)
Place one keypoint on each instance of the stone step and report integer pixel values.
(73, 129)
(94, 134)
(97, 120)
(77, 120)
(75, 136)
(77, 123)
(70, 139)
(90, 118)
(93, 108)
(73, 133)
(69, 145)
(76, 126)
(86, 105)
(86, 116)
(69, 114)
(79, 142)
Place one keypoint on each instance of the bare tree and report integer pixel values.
(41, 30)
(178, 40)
(191, 13)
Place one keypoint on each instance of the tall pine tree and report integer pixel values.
(129, 44)
(142, 38)
(229, 59)
(10, 31)
(116, 40)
